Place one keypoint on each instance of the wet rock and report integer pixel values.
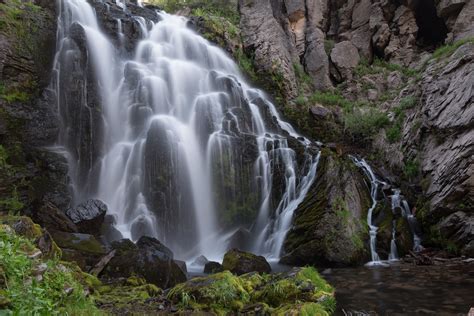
(459, 228)
(88, 216)
(108, 230)
(148, 259)
(200, 261)
(213, 267)
(182, 266)
(81, 248)
(328, 228)
(253, 293)
(240, 262)
(51, 217)
(241, 239)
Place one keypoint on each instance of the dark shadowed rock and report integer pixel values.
(51, 217)
(213, 267)
(148, 259)
(240, 262)
(182, 266)
(240, 240)
(319, 112)
(200, 261)
(88, 216)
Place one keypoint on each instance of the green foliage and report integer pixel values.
(394, 132)
(364, 123)
(379, 65)
(15, 96)
(331, 98)
(328, 46)
(245, 64)
(58, 292)
(3, 158)
(12, 204)
(16, 21)
(448, 50)
(412, 168)
(224, 293)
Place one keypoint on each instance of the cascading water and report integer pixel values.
(374, 184)
(174, 140)
(402, 204)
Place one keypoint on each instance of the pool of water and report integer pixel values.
(403, 289)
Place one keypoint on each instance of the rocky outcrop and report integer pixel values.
(148, 259)
(240, 262)
(444, 141)
(328, 227)
(88, 216)
(212, 267)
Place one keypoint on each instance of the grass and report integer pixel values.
(58, 292)
(394, 132)
(379, 65)
(448, 50)
(330, 98)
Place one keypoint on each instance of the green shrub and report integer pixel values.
(394, 133)
(412, 168)
(379, 65)
(12, 204)
(364, 123)
(448, 50)
(331, 99)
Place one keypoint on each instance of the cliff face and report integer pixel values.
(428, 147)
(30, 174)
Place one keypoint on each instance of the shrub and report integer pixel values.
(449, 49)
(394, 133)
(364, 123)
(411, 169)
(331, 98)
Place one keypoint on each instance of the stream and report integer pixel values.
(403, 289)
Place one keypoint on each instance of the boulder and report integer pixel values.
(148, 259)
(319, 112)
(240, 239)
(108, 230)
(240, 262)
(182, 266)
(84, 249)
(459, 228)
(289, 293)
(88, 216)
(345, 57)
(328, 226)
(213, 267)
(50, 217)
(200, 261)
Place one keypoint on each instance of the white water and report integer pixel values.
(170, 114)
(374, 184)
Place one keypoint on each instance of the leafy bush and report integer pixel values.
(394, 133)
(331, 98)
(364, 123)
(412, 168)
(449, 49)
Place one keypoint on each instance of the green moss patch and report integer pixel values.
(301, 290)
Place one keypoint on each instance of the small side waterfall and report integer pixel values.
(374, 184)
(402, 205)
(173, 139)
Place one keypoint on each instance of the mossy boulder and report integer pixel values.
(330, 226)
(148, 259)
(88, 216)
(213, 267)
(24, 226)
(296, 291)
(241, 262)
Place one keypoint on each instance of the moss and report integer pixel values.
(224, 293)
(80, 242)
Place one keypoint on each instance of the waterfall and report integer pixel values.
(173, 139)
(374, 184)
